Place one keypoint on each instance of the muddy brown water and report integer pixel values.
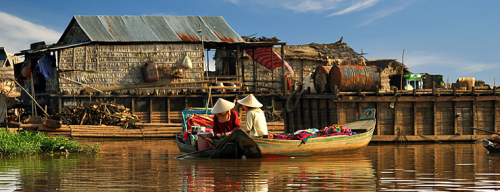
(150, 165)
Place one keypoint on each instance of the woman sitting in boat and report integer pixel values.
(256, 119)
(225, 119)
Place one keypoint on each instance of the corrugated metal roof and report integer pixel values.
(155, 28)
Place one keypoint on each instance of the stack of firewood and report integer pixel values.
(97, 113)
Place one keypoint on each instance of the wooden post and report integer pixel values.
(434, 110)
(254, 72)
(272, 71)
(340, 105)
(283, 68)
(302, 124)
(318, 101)
(242, 72)
(286, 120)
(310, 112)
(360, 110)
(455, 122)
(168, 110)
(415, 124)
(328, 121)
(474, 117)
(395, 122)
(59, 103)
(378, 118)
(302, 71)
(294, 124)
(495, 117)
(133, 105)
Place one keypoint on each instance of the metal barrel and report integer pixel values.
(321, 79)
(354, 78)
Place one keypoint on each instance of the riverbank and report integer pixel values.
(27, 143)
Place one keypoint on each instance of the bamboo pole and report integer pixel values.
(34, 100)
(145, 85)
(83, 84)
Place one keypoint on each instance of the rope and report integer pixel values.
(297, 101)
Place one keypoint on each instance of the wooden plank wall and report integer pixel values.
(464, 117)
(421, 120)
(424, 118)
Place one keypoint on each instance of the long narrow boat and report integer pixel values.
(364, 128)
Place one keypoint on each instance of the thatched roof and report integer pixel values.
(382, 64)
(339, 52)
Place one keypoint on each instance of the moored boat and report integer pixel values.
(491, 146)
(364, 128)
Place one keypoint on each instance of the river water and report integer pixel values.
(151, 165)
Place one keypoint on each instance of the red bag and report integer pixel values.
(26, 71)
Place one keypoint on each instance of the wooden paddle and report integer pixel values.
(484, 130)
(192, 153)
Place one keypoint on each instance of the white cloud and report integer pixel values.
(17, 34)
(381, 14)
(345, 7)
(356, 6)
(234, 1)
(450, 66)
(301, 6)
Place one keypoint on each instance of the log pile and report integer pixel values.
(98, 113)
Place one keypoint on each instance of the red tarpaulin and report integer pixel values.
(263, 56)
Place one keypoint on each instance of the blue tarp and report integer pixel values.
(45, 66)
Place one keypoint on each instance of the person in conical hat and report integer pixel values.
(225, 119)
(256, 123)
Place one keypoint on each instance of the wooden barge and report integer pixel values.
(423, 115)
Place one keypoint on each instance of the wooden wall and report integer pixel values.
(161, 109)
(402, 118)
(112, 65)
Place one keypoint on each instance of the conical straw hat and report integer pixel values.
(222, 105)
(250, 101)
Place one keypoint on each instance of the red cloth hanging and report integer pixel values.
(263, 56)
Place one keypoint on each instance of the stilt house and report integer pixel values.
(141, 62)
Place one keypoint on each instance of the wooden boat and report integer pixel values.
(491, 146)
(323, 145)
(491, 143)
(236, 145)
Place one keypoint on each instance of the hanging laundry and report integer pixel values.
(45, 66)
(263, 56)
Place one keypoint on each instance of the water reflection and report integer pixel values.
(353, 172)
(444, 166)
(150, 165)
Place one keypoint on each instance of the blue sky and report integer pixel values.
(455, 38)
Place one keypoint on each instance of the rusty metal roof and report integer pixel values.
(129, 28)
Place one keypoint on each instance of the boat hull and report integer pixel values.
(316, 146)
(490, 146)
(238, 145)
